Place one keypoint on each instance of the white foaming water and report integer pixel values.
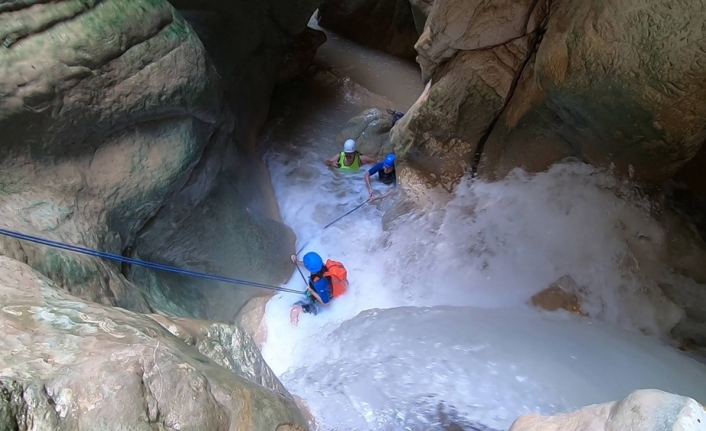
(391, 354)
(396, 368)
(398, 80)
(488, 250)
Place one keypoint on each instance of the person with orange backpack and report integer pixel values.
(326, 282)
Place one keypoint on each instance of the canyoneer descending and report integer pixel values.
(386, 175)
(349, 159)
(326, 282)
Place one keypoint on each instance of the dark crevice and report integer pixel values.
(124, 266)
(539, 34)
(484, 138)
(531, 12)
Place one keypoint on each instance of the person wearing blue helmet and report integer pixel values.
(386, 175)
(326, 282)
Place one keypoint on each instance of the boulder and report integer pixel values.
(105, 109)
(387, 25)
(371, 131)
(251, 319)
(642, 410)
(611, 88)
(68, 364)
(560, 295)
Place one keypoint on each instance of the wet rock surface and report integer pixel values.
(99, 130)
(69, 364)
(433, 136)
(644, 410)
(371, 132)
(388, 25)
(121, 136)
(224, 221)
(613, 89)
(597, 82)
(251, 319)
(561, 295)
(130, 131)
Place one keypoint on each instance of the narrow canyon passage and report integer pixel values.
(436, 327)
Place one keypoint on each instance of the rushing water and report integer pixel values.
(435, 332)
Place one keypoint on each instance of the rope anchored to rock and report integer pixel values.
(143, 263)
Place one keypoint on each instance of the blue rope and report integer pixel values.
(151, 265)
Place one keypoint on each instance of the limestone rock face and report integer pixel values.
(69, 364)
(600, 83)
(470, 25)
(104, 110)
(643, 410)
(225, 220)
(612, 88)
(384, 24)
(440, 134)
(122, 133)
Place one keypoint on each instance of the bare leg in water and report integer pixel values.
(294, 314)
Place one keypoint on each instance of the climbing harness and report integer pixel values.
(396, 115)
(143, 263)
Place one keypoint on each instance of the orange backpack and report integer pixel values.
(339, 277)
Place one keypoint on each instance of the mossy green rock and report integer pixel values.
(105, 107)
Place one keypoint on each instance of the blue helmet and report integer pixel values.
(389, 161)
(313, 262)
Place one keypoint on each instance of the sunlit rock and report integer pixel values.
(643, 410)
(69, 364)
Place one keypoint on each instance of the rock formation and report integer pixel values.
(612, 88)
(69, 364)
(130, 131)
(371, 131)
(123, 134)
(643, 410)
(388, 25)
(98, 131)
(529, 83)
(592, 80)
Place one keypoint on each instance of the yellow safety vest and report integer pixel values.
(355, 166)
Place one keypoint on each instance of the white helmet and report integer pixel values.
(349, 146)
